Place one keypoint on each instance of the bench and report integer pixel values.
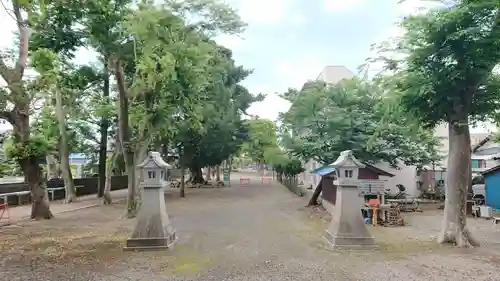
(5, 196)
(496, 220)
(19, 194)
(53, 190)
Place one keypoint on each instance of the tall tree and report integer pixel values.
(444, 74)
(356, 115)
(261, 137)
(218, 129)
(325, 120)
(159, 65)
(16, 101)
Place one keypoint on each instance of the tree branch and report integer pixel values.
(23, 40)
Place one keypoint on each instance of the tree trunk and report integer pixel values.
(196, 175)
(40, 202)
(454, 228)
(208, 176)
(110, 168)
(52, 167)
(139, 155)
(69, 186)
(181, 164)
(315, 196)
(106, 196)
(217, 173)
(103, 145)
(125, 139)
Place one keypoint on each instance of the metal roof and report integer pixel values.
(325, 170)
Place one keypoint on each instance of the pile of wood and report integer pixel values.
(394, 217)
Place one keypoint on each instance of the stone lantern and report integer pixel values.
(153, 229)
(347, 228)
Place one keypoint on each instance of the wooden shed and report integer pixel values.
(366, 175)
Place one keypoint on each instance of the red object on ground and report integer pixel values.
(244, 180)
(374, 203)
(4, 214)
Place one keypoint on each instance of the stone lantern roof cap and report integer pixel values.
(154, 160)
(347, 160)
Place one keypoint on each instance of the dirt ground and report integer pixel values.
(250, 232)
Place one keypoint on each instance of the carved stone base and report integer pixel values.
(350, 242)
(146, 244)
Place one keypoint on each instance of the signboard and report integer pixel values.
(226, 175)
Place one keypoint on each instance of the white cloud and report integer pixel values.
(8, 27)
(294, 73)
(265, 12)
(285, 74)
(270, 107)
(342, 5)
(233, 42)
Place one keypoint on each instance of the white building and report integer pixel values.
(485, 155)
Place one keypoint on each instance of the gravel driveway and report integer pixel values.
(250, 232)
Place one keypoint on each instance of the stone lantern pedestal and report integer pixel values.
(153, 229)
(347, 228)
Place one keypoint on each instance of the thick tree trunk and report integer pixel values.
(217, 173)
(40, 202)
(454, 229)
(64, 150)
(315, 196)
(125, 139)
(209, 173)
(103, 145)
(196, 175)
(31, 169)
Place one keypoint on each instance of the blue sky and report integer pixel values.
(290, 41)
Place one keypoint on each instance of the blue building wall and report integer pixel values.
(492, 186)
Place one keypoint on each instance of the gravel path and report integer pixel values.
(260, 232)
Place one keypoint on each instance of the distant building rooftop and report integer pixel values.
(333, 74)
